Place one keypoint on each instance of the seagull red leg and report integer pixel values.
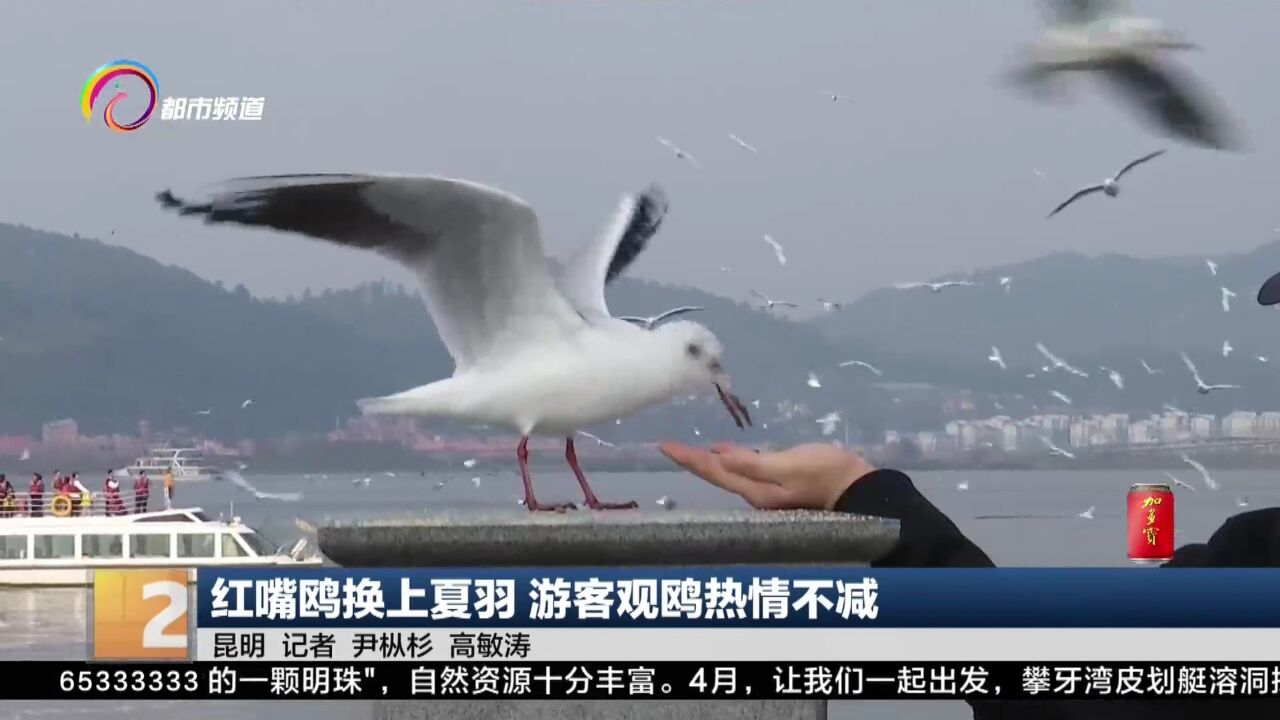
(593, 502)
(530, 502)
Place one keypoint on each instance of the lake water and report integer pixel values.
(50, 624)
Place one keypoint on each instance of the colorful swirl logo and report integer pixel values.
(112, 72)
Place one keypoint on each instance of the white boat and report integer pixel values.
(63, 551)
(188, 464)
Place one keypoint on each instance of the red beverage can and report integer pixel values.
(1150, 523)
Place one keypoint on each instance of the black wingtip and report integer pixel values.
(167, 199)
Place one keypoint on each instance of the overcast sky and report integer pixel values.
(928, 170)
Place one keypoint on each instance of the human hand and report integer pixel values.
(811, 476)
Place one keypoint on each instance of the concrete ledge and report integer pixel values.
(618, 538)
(601, 710)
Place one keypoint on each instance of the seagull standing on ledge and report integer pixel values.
(533, 350)
(648, 323)
(1110, 186)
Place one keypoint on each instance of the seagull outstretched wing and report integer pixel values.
(1168, 100)
(1079, 194)
(1138, 162)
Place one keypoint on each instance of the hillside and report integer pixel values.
(110, 337)
(1110, 310)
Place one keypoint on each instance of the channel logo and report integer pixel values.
(140, 615)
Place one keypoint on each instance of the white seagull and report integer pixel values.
(777, 249)
(1124, 51)
(1262, 358)
(666, 503)
(996, 358)
(1006, 283)
(829, 305)
(1060, 396)
(681, 154)
(1209, 482)
(469, 463)
(1087, 514)
(936, 287)
(245, 404)
(962, 485)
(1201, 386)
(205, 412)
(1226, 299)
(1175, 410)
(829, 422)
(1116, 378)
(834, 97)
(1055, 450)
(1058, 362)
(26, 455)
(770, 303)
(1110, 186)
(813, 381)
(238, 480)
(599, 441)
(1178, 482)
(742, 143)
(1213, 266)
(1226, 348)
(1150, 370)
(1242, 501)
(648, 323)
(859, 363)
(534, 349)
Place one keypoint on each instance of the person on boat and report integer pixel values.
(8, 500)
(111, 491)
(77, 490)
(141, 492)
(36, 493)
(168, 488)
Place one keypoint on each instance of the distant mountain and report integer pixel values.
(111, 337)
(1110, 310)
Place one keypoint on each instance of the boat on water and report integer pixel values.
(53, 551)
(188, 464)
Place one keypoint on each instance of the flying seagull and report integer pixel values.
(835, 97)
(936, 287)
(205, 412)
(534, 349)
(1150, 370)
(813, 381)
(1213, 266)
(599, 441)
(859, 363)
(1226, 348)
(1174, 479)
(648, 323)
(1060, 396)
(1087, 514)
(1226, 299)
(1201, 386)
(962, 485)
(469, 463)
(995, 357)
(1209, 482)
(1124, 52)
(665, 502)
(1110, 186)
(1055, 450)
(1006, 283)
(1058, 362)
(1176, 411)
(829, 422)
(245, 404)
(681, 154)
(829, 305)
(777, 249)
(742, 143)
(771, 304)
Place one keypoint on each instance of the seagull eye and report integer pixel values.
(693, 350)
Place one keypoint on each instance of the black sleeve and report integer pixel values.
(927, 537)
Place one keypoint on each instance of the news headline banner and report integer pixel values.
(51, 680)
(736, 597)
